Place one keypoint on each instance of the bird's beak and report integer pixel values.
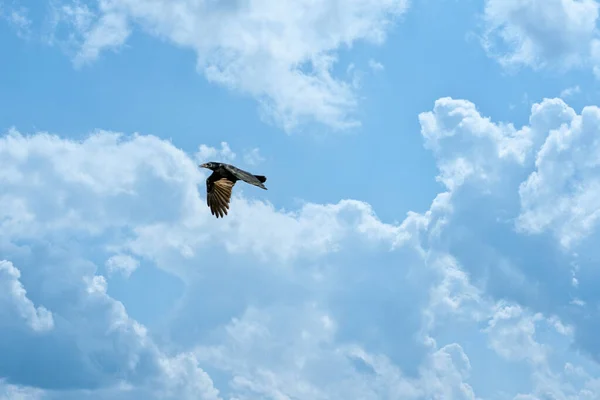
(203, 165)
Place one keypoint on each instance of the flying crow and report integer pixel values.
(220, 183)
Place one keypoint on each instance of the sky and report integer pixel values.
(430, 226)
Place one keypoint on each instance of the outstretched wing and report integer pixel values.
(218, 196)
(244, 176)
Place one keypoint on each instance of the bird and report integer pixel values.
(220, 183)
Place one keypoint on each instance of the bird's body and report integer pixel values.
(220, 183)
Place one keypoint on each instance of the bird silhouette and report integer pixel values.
(220, 183)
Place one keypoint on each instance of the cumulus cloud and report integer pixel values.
(513, 334)
(207, 153)
(39, 319)
(99, 205)
(488, 167)
(326, 301)
(470, 147)
(260, 48)
(123, 264)
(288, 252)
(94, 338)
(560, 194)
(542, 33)
(285, 353)
(497, 186)
(558, 147)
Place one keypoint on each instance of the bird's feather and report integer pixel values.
(218, 196)
(244, 176)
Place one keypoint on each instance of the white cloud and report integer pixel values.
(207, 153)
(185, 380)
(512, 335)
(103, 196)
(280, 53)
(287, 354)
(123, 264)
(96, 284)
(113, 171)
(325, 301)
(371, 309)
(94, 338)
(469, 146)
(534, 179)
(541, 33)
(570, 91)
(90, 31)
(110, 32)
(78, 15)
(561, 193)
(18, 19)
(253, 157)
(375, 65)
(14, 392)
(453, 295)
(21, 22)
(12, 291)
(225, 154)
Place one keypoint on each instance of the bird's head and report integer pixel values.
(210, 165)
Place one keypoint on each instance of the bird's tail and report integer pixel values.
(261, 178)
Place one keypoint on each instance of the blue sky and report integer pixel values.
(428, 233)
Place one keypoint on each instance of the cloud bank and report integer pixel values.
(327, 301)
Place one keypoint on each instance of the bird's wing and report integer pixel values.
(218, 195)
(244, 175)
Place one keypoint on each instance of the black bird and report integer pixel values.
(220, 183)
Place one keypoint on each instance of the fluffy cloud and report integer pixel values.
(260, 48)
(542, 33)
(207, 153)
(294, 358)
(521, 232)
(94, 338)
(511, 181)
(557, 150)
(122, 263)
(561, 194)
(39, 319)
(513, 334)
(98, 207)
(323, 302)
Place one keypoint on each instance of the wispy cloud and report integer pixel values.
(570, 92)
(375, 65)
(258, 51)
